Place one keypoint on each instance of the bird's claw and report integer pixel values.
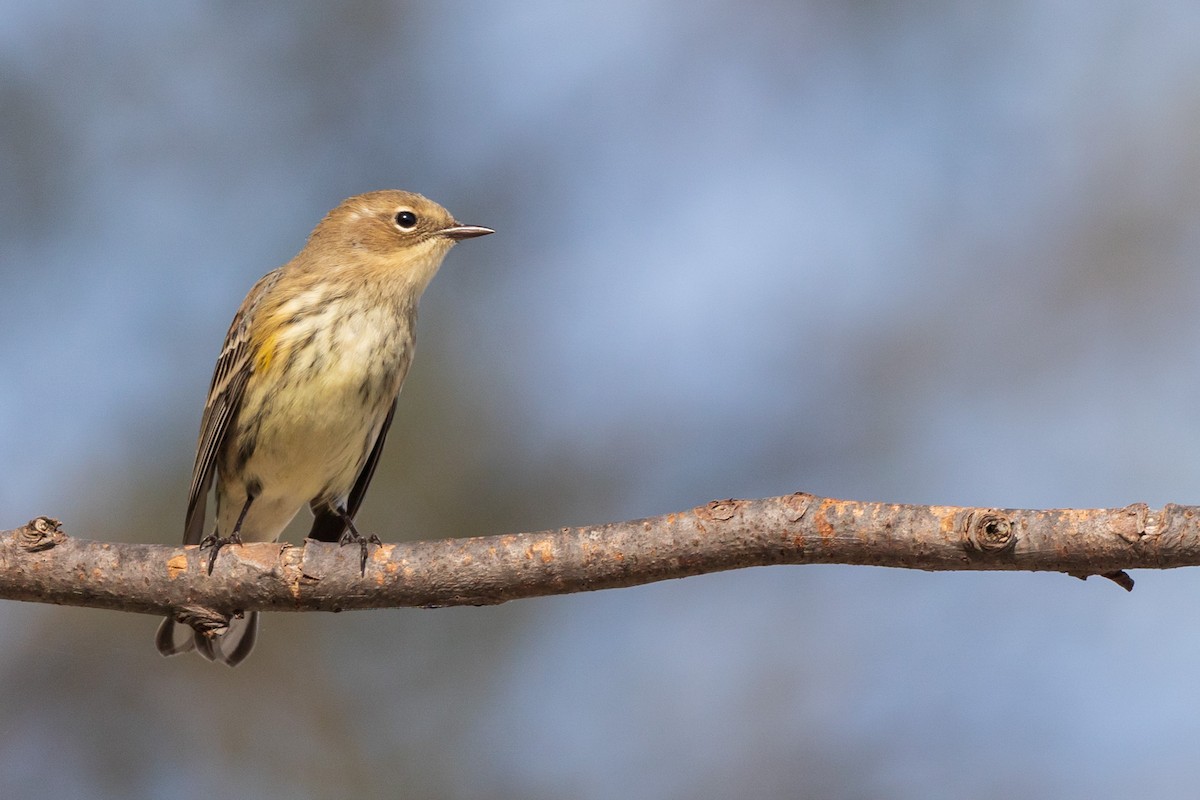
(354, 537)
(216, 543)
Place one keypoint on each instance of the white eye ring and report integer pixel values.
(406, 219)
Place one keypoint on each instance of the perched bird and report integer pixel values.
(306, 384)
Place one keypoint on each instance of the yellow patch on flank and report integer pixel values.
(266, 352)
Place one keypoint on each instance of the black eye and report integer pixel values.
(406, 219)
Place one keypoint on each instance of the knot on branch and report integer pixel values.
(1146, 523)
(721, 510)
(40, 534)
(987, 533)
(797, 505)
(207, 621)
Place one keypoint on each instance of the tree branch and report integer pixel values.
(40, 563)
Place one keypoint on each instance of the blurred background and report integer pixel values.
(935, 252)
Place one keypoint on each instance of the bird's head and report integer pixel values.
(400, 234)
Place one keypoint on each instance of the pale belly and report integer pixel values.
(312, 428)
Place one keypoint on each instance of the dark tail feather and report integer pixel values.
(328, 525)
(238, 643)
(230, 648)
(170, 641)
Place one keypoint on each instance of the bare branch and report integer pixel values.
(40, 563)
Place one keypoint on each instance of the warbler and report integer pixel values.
(306, 384)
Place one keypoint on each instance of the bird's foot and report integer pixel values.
(216, 543)
(352, 536)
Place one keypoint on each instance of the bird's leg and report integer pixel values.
(235, 536)
(352, 536)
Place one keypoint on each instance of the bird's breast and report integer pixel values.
(317, 398)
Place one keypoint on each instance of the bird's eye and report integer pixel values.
(406, 220)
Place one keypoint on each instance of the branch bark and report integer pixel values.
(40, 563)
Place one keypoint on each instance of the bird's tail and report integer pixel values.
(230, 647)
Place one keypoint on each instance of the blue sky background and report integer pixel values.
(923, 253)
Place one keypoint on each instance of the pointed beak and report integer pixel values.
(457, 232)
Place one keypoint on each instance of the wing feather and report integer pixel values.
(233, 370)
(329, 526)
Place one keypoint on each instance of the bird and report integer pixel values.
(305, 388)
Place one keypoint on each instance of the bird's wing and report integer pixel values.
(224, 395)
(328, 525)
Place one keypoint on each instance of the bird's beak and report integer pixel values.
(457, 232)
